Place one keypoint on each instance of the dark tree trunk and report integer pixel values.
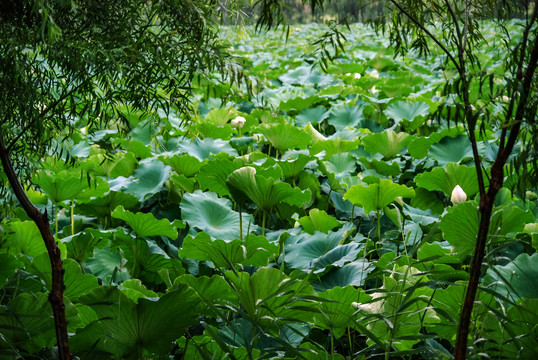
(42, 222)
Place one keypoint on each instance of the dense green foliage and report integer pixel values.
(311, 220)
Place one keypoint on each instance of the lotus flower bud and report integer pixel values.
(374, 74)
(458, 195)
(238, 122)
(357, 76)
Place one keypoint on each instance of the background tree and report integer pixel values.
(65, 65)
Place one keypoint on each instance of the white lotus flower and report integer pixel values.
(373, 90)
(458, 195)
(358, 76)
(374, 74)
(238, 122)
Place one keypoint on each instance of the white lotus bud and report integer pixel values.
(238, 122)
(358, 76)
(374, 74)
(373, 90)
(458, 195)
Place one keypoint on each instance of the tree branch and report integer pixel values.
(41, 220)
(423, 28)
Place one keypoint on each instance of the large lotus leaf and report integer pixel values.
(343, 115)
(145, 224)
(407, 110)
(103, 206)
(298, 103)
(311, 115)
(202, 149)
(254, 250)
(516, 338)
(108, 265)
(151, 324)
(306, 76)
(338, 313)
(183, 164)
(211, 290)
(453, 150)
(341, 164)
(413, 229)
(284, 136)
(318, 220)
(446, 178)
(27, 322)
(375, 197)
(24, 238)
(315, 252)
(264, 192)
(144, 261)
(148, 179)
(516, 280)
(136, 147)
(397, 315)
(291, 168)
(214, 215)
(9, 266)
(354, 274)
(122, 164)
(76, 283)
(509, 220)
(460, 227)
(213, 175)
(387, 143)
(269, 294)
(134, 289)
(69, 185)
(333, 146)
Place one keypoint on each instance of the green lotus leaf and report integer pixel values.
(135, 290)
(151, 324)
(333, 146)
(306, 76)
(202, 149)
(103, 206)
(213, 175)
(516, 280)
(298, 103)
(311, 115)
(24, 238)
(408, 110)
(316, 252)
(253, 250)
(76, 283)
(108, 265)
(265, 192)
(387, 143)
(353, 274)
(291, 168)
(8, 268)
(446, 178)
(145, 224)
(284, 136)
(375, 197)
(454, 150)
(341, 164)
(136, 147)
(27, 322)
(207, 212)
(178, 185)
(183, 164)
(318, 220)
(339, 312)
(342, 116)
(69, 185)
(460, 227)
(147, 180)
(507, 221)
(211, 290)
(121, 164)
(269, 294)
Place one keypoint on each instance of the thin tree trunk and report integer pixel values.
(42, 222)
